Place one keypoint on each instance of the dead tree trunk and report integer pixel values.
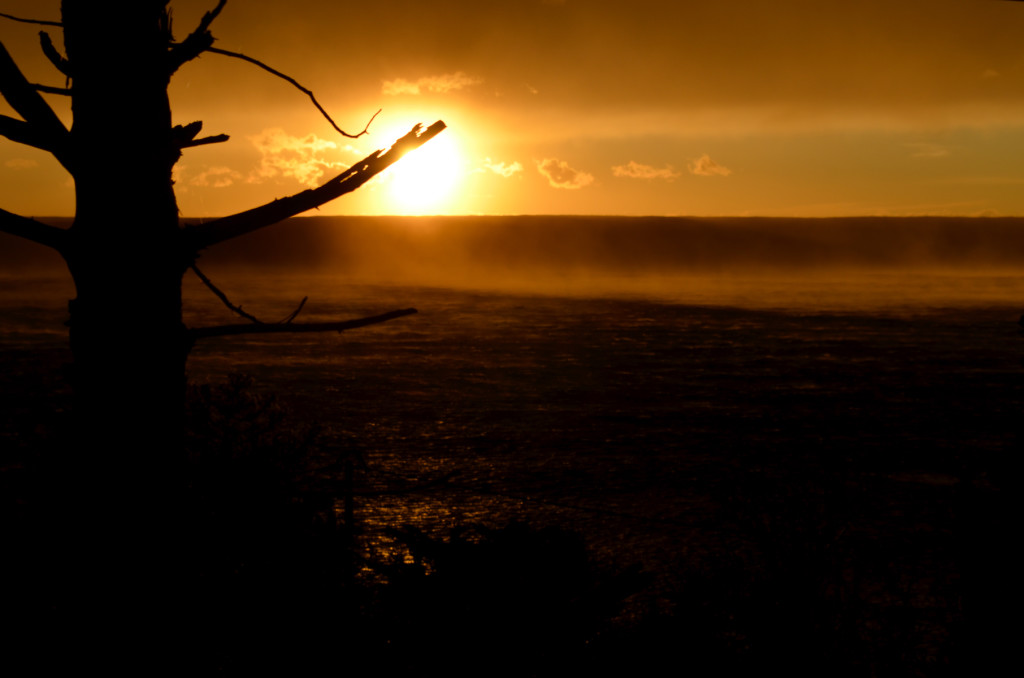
(125, 249)
(118, 474)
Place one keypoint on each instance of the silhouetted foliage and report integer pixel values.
(274, 579)
(243, 445)
(514, 600)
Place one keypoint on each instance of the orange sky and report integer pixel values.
(787, 107)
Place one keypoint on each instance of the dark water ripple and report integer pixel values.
(660, 430)
(639, 422)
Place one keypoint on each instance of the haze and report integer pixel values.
(783, 108)
(840, 263)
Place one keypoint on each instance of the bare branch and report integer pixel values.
(50, 89)
(294, 314)
(208, 18)
(181, 134)
(23, 133)
(55, 57)
(23, 98)
(203, 141)
(219, 230)
(199, 41)
(294, 83)
(339, 326)
(238, 309)
(184, 136)
(223, 297)
(31, 21)
(30, 229)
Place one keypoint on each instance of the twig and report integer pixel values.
(294, 83)
(198, 40)
(32, 21)
(216, 139)
(183, 133)
(184, 136)
(55, 57)
(50, 89)
(339, 326)
(294, 314)
(223, 297)
(28, 103)
(204, 23)
(238, 309)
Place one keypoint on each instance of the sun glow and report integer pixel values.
(424, 181)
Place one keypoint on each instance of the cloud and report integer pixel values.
(217, 177)
(21, 163)
(302, 158)
(560, 175)
(442, 84)
(635, 170)
(706, 167)
(503, 169)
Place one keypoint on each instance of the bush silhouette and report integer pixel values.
(515, 597)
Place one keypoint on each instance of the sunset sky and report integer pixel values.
(746, 107)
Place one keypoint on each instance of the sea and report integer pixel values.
(687, 394)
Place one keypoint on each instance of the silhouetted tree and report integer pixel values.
(127, 251)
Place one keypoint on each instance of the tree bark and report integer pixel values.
(124, 250)
(126, 257)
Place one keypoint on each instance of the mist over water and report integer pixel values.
(760, 263)
(870, 265)
(840, 263)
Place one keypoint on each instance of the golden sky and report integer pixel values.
(745, 107)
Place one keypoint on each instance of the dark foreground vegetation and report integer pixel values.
(270, 576)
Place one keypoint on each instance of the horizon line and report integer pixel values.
(550, 215)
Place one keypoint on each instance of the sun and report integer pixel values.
(424, 181)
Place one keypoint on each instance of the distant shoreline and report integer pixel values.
(66, 220)
(606, 244)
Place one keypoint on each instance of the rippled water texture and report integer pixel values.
(654, 412)
(623, 411)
